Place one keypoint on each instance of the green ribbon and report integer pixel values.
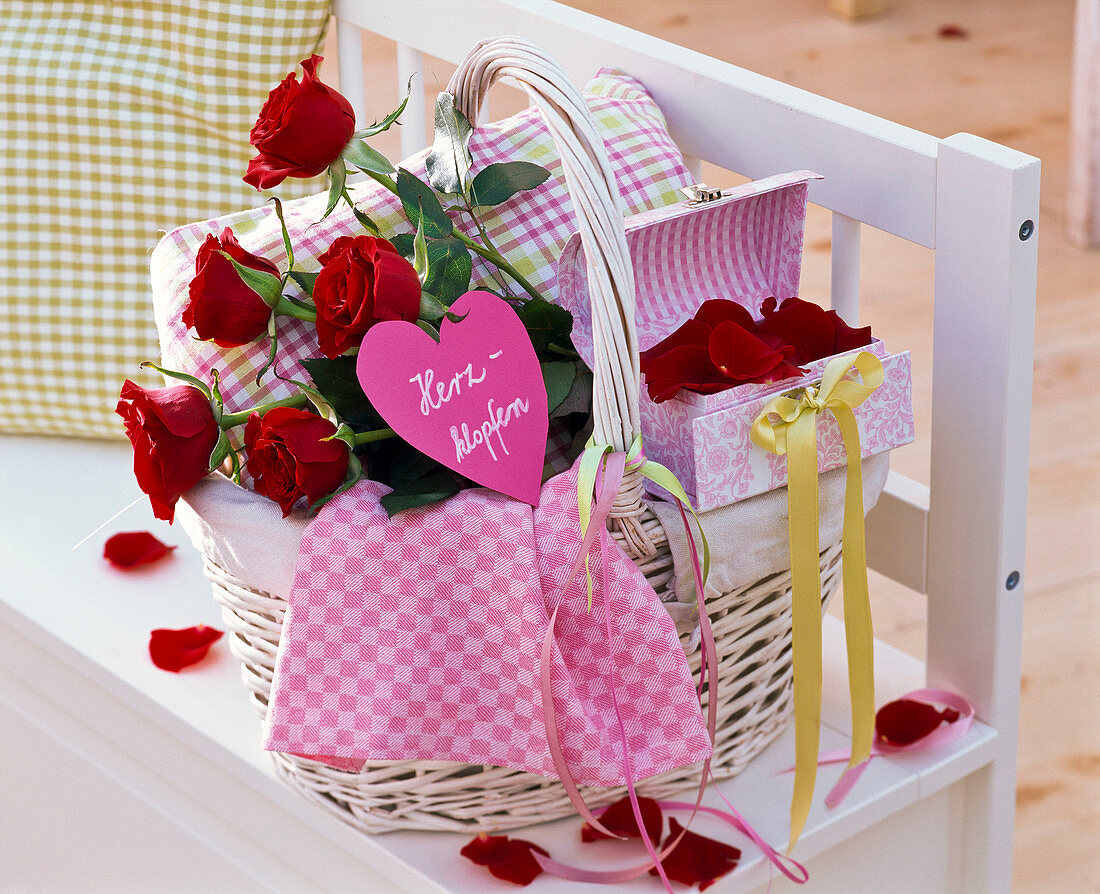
(588, 472)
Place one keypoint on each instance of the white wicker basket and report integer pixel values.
(752, 625)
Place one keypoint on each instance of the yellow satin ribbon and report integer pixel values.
(788, 425)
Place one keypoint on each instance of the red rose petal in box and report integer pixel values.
(743, 357)
(905, 721)
(507, 858)
(720, 347)
(685, 366)
(811, 330)
(173, 650)
(129, 549)
(722, 310)
(697, 859)
(619, 818)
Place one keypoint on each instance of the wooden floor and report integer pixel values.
(1006, 80)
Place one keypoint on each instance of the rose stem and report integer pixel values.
(380, 434)
(230, 420)
(286, 308)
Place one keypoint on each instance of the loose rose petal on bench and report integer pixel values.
(129, 549)
(952, 32)
(507, 858)
(173, 650)
(905, 721)
(697, 859)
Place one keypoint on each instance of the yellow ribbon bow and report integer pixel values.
(788, 425)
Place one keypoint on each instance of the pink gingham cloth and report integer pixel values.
(419, 638)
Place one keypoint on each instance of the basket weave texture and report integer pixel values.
(752, 625)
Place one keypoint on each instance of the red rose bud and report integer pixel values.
(173, 432)
(129, 549)
(173, 650)
(288, 457)
(222, 308)
(507, 858)
(362, 281)
(302, 129)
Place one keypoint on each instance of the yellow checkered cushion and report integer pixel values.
(118, 122)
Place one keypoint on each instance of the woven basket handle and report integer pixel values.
(599, 212)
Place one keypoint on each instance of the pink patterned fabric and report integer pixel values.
(419, 638)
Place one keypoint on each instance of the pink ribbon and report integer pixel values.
(608, 479)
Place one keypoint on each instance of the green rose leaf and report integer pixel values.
(579, 398)
(337, 381)
(385, 124)
(448, 163)
(558, 377)
(304, 280)
(403, 242)
(497, 183)
(430, 329)
(431, 308)
(546, 323)
(449, 268)
(418, 199)
(362, 156)
(267, 285)
(364, 219)
(420, 251)
(338, 176)
(408, 494)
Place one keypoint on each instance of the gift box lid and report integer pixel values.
(746, 246)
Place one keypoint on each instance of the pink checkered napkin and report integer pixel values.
(420, 638)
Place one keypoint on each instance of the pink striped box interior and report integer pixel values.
(746, 246)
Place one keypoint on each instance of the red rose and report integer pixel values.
(173, 432)
(363, 280)
(288, 458)
(222, 308)
(302, 129)
(811, 330)
(715, 350)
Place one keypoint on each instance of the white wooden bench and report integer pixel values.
(94, 735)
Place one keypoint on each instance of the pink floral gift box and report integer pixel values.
(745, 246)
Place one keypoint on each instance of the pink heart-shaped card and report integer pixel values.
(475, 400)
